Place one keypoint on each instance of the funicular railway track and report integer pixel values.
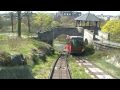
(60, 69)
(95, 71)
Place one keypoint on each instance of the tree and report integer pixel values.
(112, 26)
(67, 21)
(55, 24)
(12, 16)
(42, 21)
(19, 23)
(1, 22)
(28, 14)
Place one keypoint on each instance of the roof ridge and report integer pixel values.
(96, 17)
(88, 17)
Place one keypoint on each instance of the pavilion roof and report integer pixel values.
(87, 17)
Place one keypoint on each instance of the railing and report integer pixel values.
(109, 45)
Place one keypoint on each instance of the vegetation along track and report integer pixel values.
(60, 69)
(93, 70)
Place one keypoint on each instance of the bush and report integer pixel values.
(5, 58)
(18, 59)
(35, 59)
(46, 50)
(38, 57)
(89, 49)
(29, 60)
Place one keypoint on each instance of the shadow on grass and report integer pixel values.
(17, 72)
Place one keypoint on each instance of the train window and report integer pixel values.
(77, 42)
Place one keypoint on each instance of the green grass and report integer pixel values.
(24, 46)
(17, 72)
(98, 58)
(42, 70)
(3, 37)
(78, 72)
(109, 68)
(19, 45)
(115, 38)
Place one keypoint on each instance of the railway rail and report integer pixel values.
(106, 45)
(60, 69)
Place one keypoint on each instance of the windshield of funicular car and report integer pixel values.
(77, 41)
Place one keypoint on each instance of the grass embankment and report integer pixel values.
(78, 72)
(18, 45)
(16, 72)
(42, 70)
(99, 58)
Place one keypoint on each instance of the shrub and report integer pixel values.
(5, 58)
(38, 57)
(35, 59)
(89, 49)
(18, 60)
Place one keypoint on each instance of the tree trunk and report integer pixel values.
(28, 17)
(12, 22)
(19, 23)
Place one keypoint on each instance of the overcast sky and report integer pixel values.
(94, 12)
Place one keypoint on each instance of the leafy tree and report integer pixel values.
(67, 21)
(112, 26)
(42, 21)
(55, 24)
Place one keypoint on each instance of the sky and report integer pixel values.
(114, 13)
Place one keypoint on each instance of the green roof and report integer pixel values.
(88, 17)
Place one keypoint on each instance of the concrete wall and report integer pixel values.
(102, 35)
(91, 27)
(81, 30)
(88, 35)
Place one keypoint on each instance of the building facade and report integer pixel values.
(68, 13)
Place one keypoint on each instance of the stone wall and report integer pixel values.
(88, 35)
(49, 36)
